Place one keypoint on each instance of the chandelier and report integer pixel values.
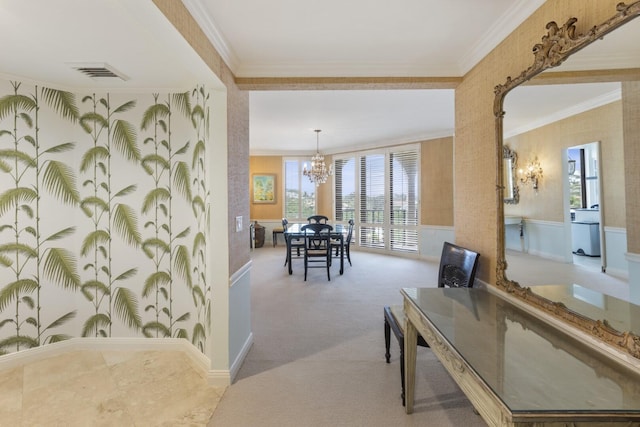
(318, 173)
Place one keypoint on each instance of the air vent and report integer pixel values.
(98, 70)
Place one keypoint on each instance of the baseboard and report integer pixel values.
(618, 273)
(219, 378)
(237, 364)
(223, 377)
(545, 255)
(20, 358)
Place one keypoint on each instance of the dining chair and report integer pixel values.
(317, 250)
(345, 244)
(292, 243)
(457, 270)
(317, 219)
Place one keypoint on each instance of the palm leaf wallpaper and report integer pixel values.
(104, 214)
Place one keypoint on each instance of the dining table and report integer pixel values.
(294, 231)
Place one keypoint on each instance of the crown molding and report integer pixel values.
(505, 25)
(607, 98)
(199, 12)
(328, 69)
(508, 21)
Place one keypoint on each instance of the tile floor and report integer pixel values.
(108, 388)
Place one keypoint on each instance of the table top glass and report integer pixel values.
(295, 228)
(529, 365)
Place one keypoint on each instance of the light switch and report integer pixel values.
(238, 224)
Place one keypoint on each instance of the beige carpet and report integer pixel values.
(318, 355)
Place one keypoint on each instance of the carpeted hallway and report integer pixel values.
(318, 353)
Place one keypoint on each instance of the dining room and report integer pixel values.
(363, 168)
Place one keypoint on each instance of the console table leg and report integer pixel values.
(410, 351)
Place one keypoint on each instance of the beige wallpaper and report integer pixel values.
(602, 124)
(436, 202)
(475, 214)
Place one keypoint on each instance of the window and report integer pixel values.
(299, 192)
(345, 191)
(372, 200)
(382, 187)
(584, 191)
(404, 200)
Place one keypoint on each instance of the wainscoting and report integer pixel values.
(551, 240)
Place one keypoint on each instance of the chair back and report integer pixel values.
(317, 219)
(285, 223)
(317, 236)
(347, 241)
(457, 266)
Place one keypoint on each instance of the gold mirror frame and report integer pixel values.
(512, 156)
(555, 48)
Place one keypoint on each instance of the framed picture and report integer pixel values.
(264, 188)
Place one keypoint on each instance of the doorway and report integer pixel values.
(583, 206)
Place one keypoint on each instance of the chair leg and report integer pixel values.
(387, 340)
(349, 255)
(305, 267)
(402, 368)
(329, 265)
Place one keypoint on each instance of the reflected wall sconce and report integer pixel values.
(532, 174)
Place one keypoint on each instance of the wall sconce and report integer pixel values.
(532, 174)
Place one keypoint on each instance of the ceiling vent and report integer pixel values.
(98, 70)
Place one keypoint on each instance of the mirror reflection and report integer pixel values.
(577, 229)
(509, 182)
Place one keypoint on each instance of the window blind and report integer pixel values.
(345, 189)
(404, 196)
(380, 190)
(372, 200)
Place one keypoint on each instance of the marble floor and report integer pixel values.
(108, 388)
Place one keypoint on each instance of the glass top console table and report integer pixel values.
(514, 368)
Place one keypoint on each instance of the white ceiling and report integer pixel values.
(42, 39)
(313, 38)
(279, 38)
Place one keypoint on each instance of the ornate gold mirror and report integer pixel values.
(558, 46)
